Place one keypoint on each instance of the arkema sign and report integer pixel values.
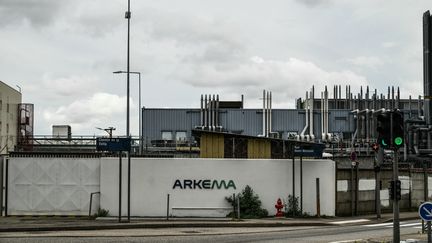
(206, 184)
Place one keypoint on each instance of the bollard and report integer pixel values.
(234, 205)
(238, 208)
(168, 202)
(318, 205)
(423, 227)
(429, 231)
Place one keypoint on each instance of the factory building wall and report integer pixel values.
(241, 121)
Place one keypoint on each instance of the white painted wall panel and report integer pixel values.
(153, 179)
(52, 186)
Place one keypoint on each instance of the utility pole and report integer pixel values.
(128, 17)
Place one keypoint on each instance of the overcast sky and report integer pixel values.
(62, 53)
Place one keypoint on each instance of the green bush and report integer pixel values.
(250, 204)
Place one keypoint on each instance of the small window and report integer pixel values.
(1, 105)
(7, 128)
(7, 107)
(167, 135)
(181, 136)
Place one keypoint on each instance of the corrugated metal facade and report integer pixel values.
(242, 121)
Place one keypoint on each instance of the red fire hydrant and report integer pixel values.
(279, 207)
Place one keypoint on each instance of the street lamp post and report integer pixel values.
(139, 109)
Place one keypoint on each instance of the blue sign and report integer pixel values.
(425, 211)
(113, 144)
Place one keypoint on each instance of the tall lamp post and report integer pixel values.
(128, 17)
(139, 108)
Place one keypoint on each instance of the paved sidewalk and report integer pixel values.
(24, 224)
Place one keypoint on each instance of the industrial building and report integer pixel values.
(10, 100)
(320, 119)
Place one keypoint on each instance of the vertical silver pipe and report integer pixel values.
(242, 101)
(264, 113)
(306, 117)
(208, 112)
(388, 98)
(410, 108)
(217, 112)
(201, 111)
(267, 114)
(322, 115)
(205, 112)
(375, 100)
(210, 120)
(350, 97)
(214, 112)
(367, 97)
(419, 107)
(270, 113)
(398, 98)
(346, 97)
(335, 98)
(325, 112)
(326, 106)
(334, 95)
(312, 96)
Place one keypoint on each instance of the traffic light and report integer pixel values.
(391, 190)
(398, 191)
(398, 129)
(395, 191)
(390, 123)
(384, 129)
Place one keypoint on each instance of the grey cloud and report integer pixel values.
(190, 30)
(36, 12)
(314, 3)
(286, 77)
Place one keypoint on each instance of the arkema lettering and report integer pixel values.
(204, 184)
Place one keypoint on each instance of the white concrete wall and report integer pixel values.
(52, 186)
(153, 179)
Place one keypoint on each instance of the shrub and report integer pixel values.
(292, 209)
(250, 204)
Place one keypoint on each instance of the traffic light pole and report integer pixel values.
(396, 230)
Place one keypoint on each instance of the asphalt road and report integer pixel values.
(337, 233)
